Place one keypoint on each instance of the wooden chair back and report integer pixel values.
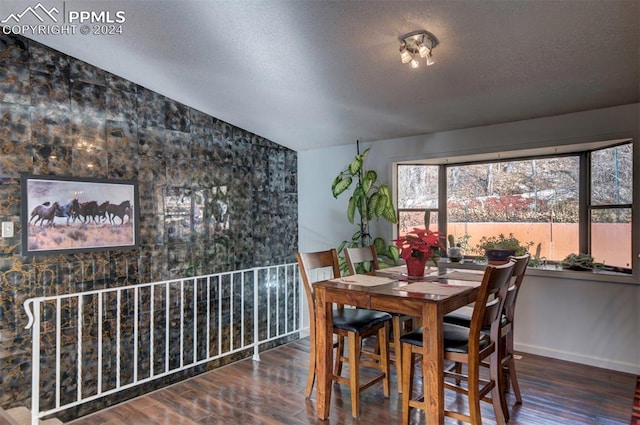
(519, 269)
(355, 256)
(490, 302)
(313, 268)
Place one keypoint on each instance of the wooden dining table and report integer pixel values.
(428, 300)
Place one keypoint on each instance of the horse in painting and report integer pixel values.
(69, 210)
(120, 210)
(44, 212)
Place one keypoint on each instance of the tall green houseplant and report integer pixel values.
(369, 199)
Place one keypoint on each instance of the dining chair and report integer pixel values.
(400, 323)
(462, 317)
(466, 345)
(350, 323)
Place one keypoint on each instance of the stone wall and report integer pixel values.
(212, 197)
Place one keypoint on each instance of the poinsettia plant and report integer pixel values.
(420, 243)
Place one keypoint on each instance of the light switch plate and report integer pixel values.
(7, 229)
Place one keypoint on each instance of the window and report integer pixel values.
(417, 197)
(610, 205)
(571, 203)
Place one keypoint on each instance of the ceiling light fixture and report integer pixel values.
(417, 43)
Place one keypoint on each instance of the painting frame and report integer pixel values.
(67, 215)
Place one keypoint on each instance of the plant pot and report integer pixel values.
(455, 254)
(499, 256)
(416, 266)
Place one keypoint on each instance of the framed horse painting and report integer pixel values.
(68, 214)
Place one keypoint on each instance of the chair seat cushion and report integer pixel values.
(358, 319)
(456, 338)
(462, 317)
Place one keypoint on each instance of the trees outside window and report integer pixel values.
(538, 199)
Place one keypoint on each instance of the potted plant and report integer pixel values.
(580, 262)
(457, 247)
(418, 247)
(370, 199)
(499, 248)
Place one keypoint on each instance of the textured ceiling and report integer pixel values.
(311, 74)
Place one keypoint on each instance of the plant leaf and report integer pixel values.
(366, 184)
(343, 265)
(335, 183)
(394, 253)
(389, 214)
(372, 175)
(380, 244)
(384, 189)
(356, 236)
(340, 186)
(355, 166)
(360, 200)
(372, 205)
(351, 209)
(381, 205)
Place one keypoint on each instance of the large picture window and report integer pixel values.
(571, 203)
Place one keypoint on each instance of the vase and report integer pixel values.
(499, 256)
(455, 254)
(415, 266)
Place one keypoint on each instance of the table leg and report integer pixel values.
(324, 355)
(433, 364)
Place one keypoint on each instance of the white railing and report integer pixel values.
(108, 340)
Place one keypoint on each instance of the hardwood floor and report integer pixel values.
(272, 392)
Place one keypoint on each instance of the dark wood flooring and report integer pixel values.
(272, 392)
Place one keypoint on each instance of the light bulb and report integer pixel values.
(405, 56)
(414, 63)
(423, 50)
(430, 61)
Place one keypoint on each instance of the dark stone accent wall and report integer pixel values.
(213, 197)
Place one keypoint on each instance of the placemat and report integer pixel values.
(363, 280)
(399, 271)
(475, 277)
(433, 288)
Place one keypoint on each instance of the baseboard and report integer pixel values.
(579, 358)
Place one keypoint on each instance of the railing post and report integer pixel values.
(304, 331)
(256, 309)
(34, 324)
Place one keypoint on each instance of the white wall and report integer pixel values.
(322, 220)
(588, 322)
(583, 321)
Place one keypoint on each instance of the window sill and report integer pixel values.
(552, 272)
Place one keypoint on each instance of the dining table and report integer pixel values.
(428, 299)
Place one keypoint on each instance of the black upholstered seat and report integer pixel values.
(358, 320)
(463, 318)
(456, 338)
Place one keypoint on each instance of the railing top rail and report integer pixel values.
(34, 300)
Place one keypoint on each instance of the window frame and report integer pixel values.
(585, 206)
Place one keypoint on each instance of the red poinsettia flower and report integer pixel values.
(421, 243)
